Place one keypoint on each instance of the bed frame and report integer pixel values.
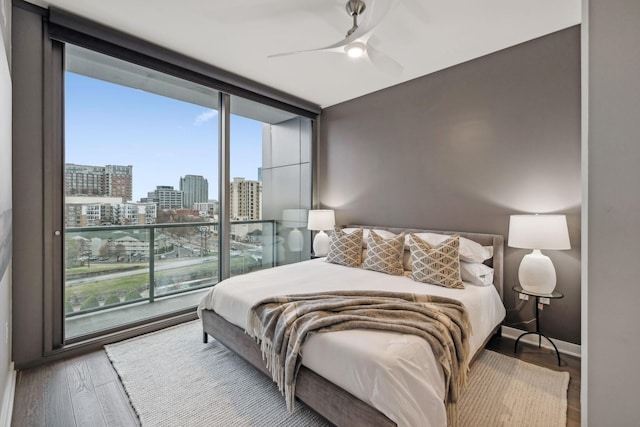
(332, 402)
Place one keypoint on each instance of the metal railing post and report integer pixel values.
(152, 258)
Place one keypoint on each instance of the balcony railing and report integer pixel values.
(114, 266)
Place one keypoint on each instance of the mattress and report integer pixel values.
(395, 373)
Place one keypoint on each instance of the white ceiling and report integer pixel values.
(237, 35)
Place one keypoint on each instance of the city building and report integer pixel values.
(118, 181)
(208, 209)
(85, 211)
(195, 189)
(89, 180)
(137, 213)
(245, 200)
(165, 197)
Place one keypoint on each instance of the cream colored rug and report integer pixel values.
(172, 379)
(503, 391)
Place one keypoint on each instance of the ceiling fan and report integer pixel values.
(359, 39)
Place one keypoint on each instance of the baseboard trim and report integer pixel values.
(563, 346)
(6, 411)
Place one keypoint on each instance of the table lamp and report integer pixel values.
(537, 273)
(294, 218)
(321, 220)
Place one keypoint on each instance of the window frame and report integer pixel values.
(62, 28)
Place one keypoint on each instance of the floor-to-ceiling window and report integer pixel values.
(270, 188)
(141, 182)
(118, 259)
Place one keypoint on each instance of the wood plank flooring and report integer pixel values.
(85, 391)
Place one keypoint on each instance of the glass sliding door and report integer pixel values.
(141, 183)
(142, 173)
(270, 186)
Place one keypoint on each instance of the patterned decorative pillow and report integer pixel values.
(437, 265)
(345, 249)
(384, 255)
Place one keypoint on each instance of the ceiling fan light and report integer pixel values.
(355, 49)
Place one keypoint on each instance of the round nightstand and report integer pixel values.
(552, 295)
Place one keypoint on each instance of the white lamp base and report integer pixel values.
(321, 244)
(537, 273)
(295, 240)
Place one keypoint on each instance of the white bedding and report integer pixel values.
(395, 373)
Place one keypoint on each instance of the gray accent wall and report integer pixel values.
(462, 149)
(610, 375)
(5, 208)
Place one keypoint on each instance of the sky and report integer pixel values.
(162, 138)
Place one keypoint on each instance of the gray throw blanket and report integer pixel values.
(281, 325)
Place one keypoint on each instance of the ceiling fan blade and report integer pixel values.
(372, 17)
(384, 62)
(339, 49)
(336, 47)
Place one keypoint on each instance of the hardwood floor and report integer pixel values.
(82, 391)
(85, 391)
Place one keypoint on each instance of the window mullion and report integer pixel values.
(224, 217)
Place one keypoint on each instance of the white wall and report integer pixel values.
(6, 371)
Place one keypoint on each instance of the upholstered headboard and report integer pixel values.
(495, 240)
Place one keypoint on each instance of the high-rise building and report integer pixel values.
(245, 200)
(83, 180)
(102, 181)
(118, 181)
(195, 189)
(165, 196)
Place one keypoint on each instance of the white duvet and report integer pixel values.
(395, 373)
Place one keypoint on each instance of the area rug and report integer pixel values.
(173, 379)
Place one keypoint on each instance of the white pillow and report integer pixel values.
(470, 251)
(476, 273)
(488, 251)
(365, 235)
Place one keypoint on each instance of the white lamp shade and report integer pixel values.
(321, 219)
(539, 232)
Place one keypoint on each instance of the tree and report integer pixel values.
(164, 216)
(106, 250)
(72, 252)
(85, 251)
(120, 250)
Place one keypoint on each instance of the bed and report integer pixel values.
(358, 377)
